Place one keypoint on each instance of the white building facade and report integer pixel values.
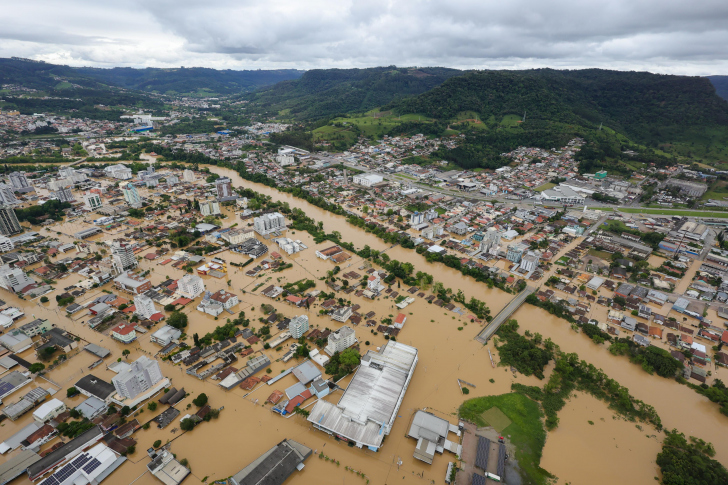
(269, 223)
(142, 375)
(144, 306)
(190, 286)
(92, 201)
(298, 326)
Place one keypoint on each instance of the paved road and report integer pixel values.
(500, 198)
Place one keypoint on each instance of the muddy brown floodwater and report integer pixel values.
(447, 351)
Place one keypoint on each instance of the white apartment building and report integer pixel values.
(210, 208)
(7, 197)
(188, 176)
(14, 279)
(367, 179)
(123, 255)
(491, 239)
(190, 286)
(131, 196)
(172, 179)
(269, 223)
(92, 201)
(6, 244)
(298, 326)
(144, 306)
(141, 375)
(374, 283)
(529, 262)
(340, 340)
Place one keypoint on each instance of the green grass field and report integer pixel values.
(669, 212)
(600, 254)
(545, 186)
(718, 190)
(371, 124)
(523, 428)
(511, 120)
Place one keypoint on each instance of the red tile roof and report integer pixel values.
(123, 329)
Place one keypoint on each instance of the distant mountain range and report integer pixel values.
(721, 85)
(677, 115)
(196, 80)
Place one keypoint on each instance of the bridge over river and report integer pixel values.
(503, 315)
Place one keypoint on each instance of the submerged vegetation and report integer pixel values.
(570, 374)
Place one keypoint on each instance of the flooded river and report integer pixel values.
(447, 351)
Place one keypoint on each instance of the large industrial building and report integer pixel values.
(365, 413)
(368, 179)
(562, 194)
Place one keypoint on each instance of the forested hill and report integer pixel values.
(189, 80)
(325, 92)
(650, 108)
(45, 76)
(721, 85)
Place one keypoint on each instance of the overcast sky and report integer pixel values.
(670, 36)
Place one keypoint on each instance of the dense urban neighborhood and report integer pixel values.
(195, 278)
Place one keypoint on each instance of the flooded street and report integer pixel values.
(607, 452)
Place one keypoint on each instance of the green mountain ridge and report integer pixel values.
(323, 93)
(659, 115)
(649, 107)
(43, 76)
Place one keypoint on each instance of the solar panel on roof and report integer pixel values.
(501, 460)
(482, 452)
(80, 460)
(478, 479)
(5, 387)
(92, 465)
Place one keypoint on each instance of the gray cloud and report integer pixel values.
(671, 36)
